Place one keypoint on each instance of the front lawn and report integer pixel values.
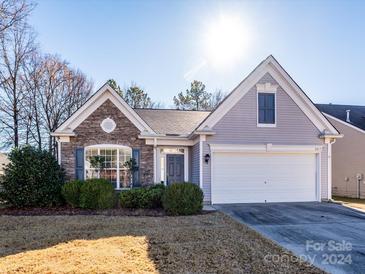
(119, 244)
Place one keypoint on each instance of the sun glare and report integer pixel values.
(226, 41)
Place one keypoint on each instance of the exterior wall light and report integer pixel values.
(207, 158)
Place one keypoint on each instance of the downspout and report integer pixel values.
(154, 160)
(58, 150)
(202, 139)
(329, 168)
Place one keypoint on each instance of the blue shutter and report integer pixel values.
(136, 155)
(79, 163)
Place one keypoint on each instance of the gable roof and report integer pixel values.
(154, 122)
(357, 113)
(270, 65)
(97, 99)
(171, 121)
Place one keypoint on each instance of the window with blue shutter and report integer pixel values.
(266, 108)
(79, 163)
(136, 155)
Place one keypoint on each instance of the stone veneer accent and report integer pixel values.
(89, 133)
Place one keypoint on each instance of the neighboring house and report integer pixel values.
(266, 142)
(3, 162)
(348, 152)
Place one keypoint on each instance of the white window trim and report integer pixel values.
(107, 146)
(257, 109)
(113, 125)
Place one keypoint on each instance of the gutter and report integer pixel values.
(56, 134)
(333, 136)
(163, 137)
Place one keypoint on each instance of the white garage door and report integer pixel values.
(263, 177)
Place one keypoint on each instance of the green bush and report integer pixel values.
(97, 194)
(71, 192)
(154, 196)
(183, 199)
(32, 178)
(146, 197)
(132, 198)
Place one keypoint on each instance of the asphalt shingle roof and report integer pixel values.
(357, 113)
(171, 121)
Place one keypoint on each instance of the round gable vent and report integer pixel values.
(108, 125)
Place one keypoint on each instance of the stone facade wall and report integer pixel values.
(89, 133)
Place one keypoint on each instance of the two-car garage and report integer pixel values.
(248, 174)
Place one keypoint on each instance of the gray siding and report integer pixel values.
(206, 174)
(195, 164)
(348, 160)
(239, 126)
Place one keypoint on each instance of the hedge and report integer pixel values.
(183, 199)
(97, 194)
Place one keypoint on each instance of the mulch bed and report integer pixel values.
(54, 211)
(10, 211)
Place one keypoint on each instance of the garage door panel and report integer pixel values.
(244, 178)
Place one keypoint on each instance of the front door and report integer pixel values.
(175, 168)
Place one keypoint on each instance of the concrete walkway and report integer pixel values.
(329, 235)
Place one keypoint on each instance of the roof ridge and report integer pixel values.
(344, 105)
(172, 109)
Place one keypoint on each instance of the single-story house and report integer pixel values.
(348, 154)
(266, 142)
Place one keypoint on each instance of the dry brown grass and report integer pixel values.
(208, 243)
(351, 202)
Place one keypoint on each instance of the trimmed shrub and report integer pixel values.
(159, 186)
(97, 194)
(71, 192)
(132, 198)
(32, 178)
(154, 196)
(146, 197)
(183, 199)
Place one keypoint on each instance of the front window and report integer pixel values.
(108, 163)
(266, 109)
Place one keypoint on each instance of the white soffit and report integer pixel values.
(103, 94)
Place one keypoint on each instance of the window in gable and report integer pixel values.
(266, 109)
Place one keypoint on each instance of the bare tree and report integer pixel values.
(16, 46)
(62, 91)
(37, 92)
(215, 99)
(54, 92)
(13, 12)
(32, 79)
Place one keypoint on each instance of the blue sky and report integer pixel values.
(162, 45)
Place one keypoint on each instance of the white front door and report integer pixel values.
(239, 177)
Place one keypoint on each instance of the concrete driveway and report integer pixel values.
(329, 235)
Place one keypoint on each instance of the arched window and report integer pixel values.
(107, 161)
